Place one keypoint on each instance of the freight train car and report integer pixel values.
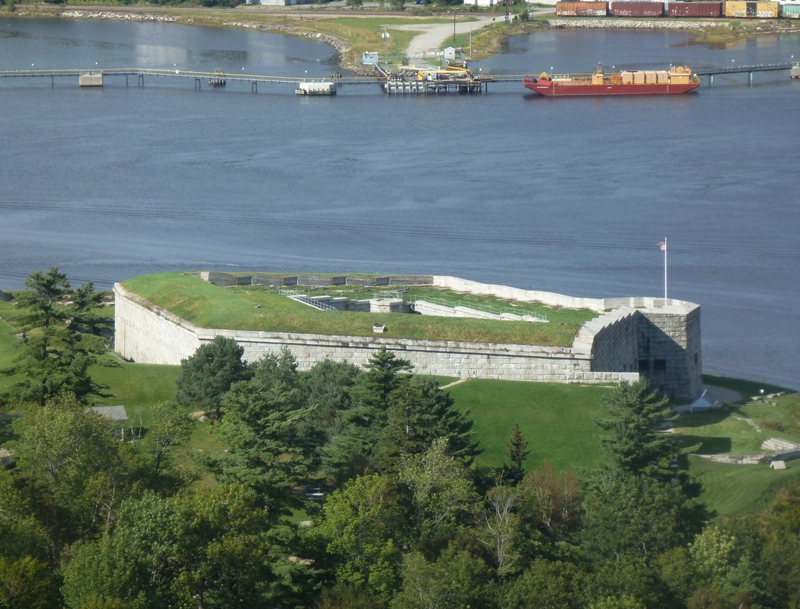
(581, 9)
(790, 11)
(628, 8)
(696, 9)
(752, 10)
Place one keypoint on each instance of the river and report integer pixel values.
(567, 195)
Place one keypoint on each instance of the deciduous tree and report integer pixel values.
(442, 493)
(169, 426)
(360, 524)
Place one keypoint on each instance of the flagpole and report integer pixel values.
(665, 271)
(663, 246)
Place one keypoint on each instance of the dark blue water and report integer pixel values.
(566, 195)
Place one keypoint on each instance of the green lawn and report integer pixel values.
(8, 340)
(728, 431)
(737, 489)
(555, 419)
(211, 306)
(136, 386)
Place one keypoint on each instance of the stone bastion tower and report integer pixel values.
(652, 337)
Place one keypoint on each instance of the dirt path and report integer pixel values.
(432, 36)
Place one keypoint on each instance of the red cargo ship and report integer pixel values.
(651, 82)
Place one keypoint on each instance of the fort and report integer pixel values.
(630, 336)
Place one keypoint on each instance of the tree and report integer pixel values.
(516, 453)
(419, 413)
(169, 426)
(642, 517)
(549, 507)
(500, 528)
(327, 387)
(205, 549)
(352, 447)
(441, 492)
(26, 583)
(208, 374)
(359, 525)
(781, 552)
(268, 453)
(454, 581)
(68, 459)
(545, 585)
(632, 416)
(59, 339)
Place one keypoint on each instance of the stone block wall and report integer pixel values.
(670, 354)
(149, 335)
(613, 340)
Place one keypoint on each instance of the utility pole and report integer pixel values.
(454, 27)
(385, 36)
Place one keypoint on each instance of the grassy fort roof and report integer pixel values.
(259, 307)
(457, 327)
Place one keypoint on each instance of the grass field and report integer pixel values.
(211, 306)
(738, 489)
(555, 419)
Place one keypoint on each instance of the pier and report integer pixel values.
(749, 70)
(212, 80)
(393, 83)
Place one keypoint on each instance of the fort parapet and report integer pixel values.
(653, 337)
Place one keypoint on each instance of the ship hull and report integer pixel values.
(550, 88)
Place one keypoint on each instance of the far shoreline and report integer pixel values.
(299, 21)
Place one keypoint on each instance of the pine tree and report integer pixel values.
(633, 415)
(208, 374)
(420, 413)
(59, 339)
(516, 453)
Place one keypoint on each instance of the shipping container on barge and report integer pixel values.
(674, 81)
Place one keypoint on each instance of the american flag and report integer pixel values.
(662, 246)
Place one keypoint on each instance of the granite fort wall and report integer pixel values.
(654, 337)
(148, 334)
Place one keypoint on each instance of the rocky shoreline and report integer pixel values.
(636, 24)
